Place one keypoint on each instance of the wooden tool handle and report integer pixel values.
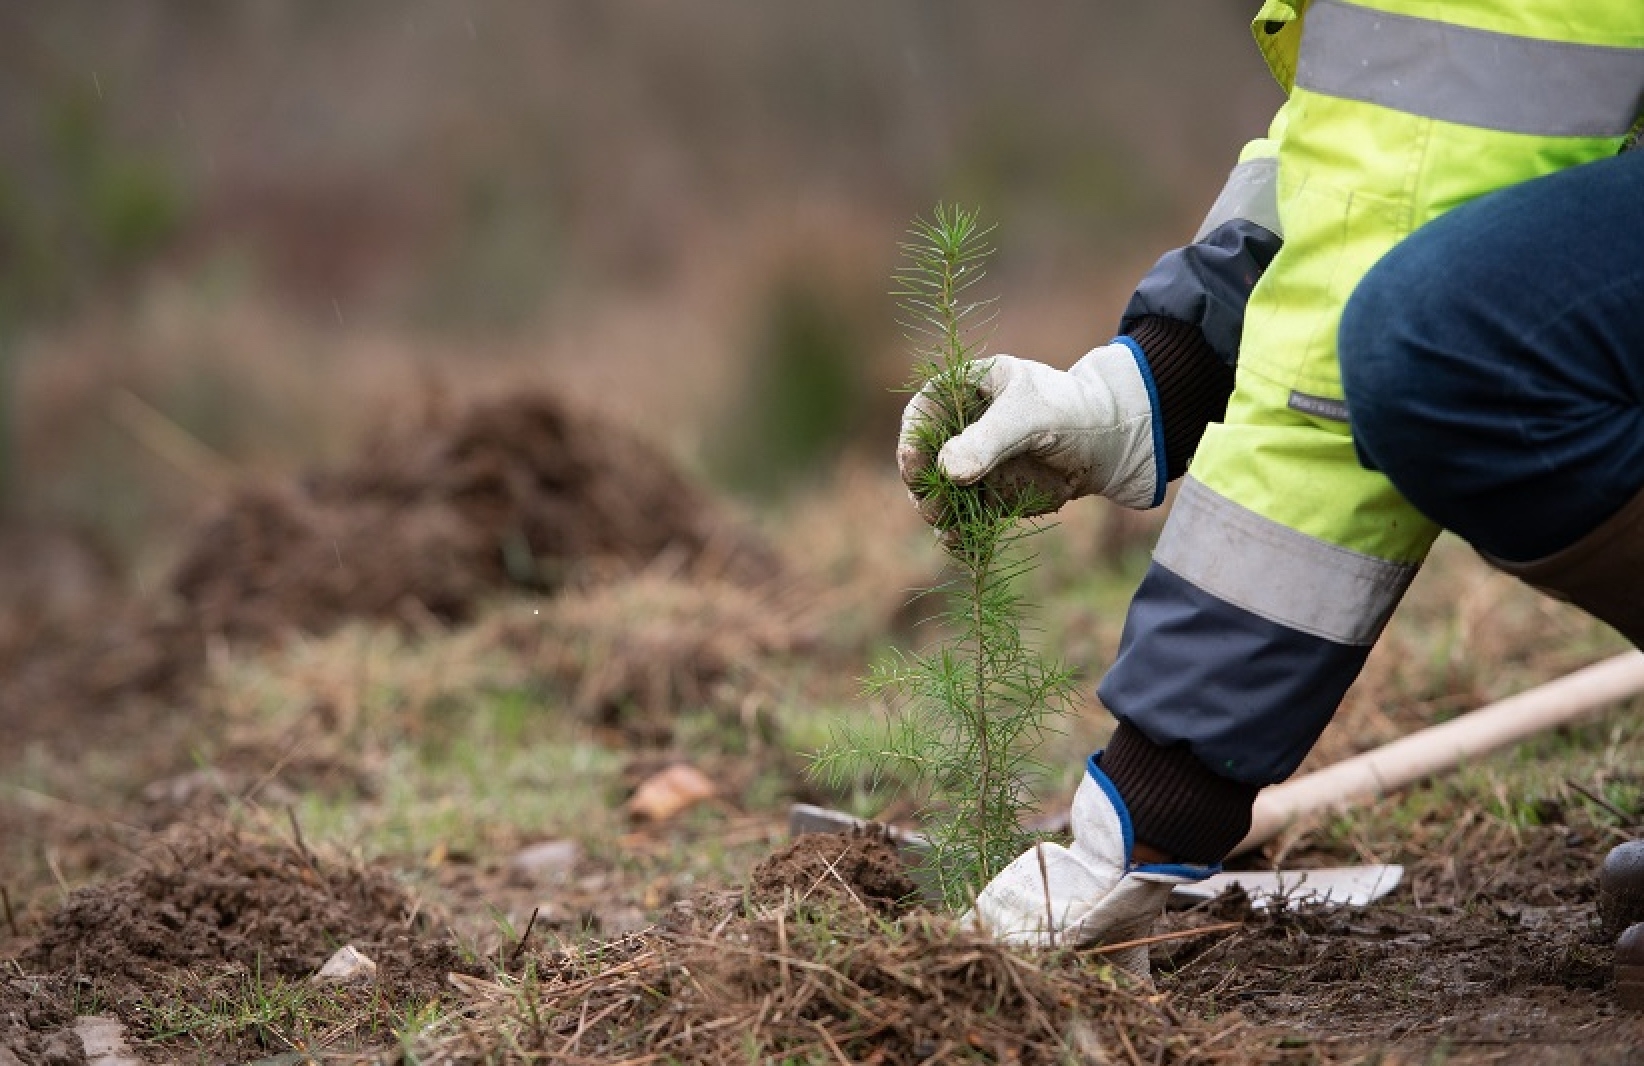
(1444, 747)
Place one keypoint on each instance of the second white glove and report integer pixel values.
(1088, 893)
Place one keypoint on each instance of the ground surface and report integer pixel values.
(362, 696)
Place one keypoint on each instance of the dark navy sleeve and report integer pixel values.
(1207, 284)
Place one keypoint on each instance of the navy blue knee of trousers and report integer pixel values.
(1493, 362)
(1405, 423)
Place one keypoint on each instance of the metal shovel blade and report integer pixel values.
(808, 818)
(1336, 886)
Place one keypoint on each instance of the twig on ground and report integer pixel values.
(90, 812)
(296, 745)
(782, 946)
(833, 869)
(833, 1047)
(1135, 1059)
(524, 938)
(297, 835)
(582, 1025)
(1620, 815)
(57, 873)
(11, 920)
(1180, 934)
(171, 442)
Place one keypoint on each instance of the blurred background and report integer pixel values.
(240, 237)
(431, 426)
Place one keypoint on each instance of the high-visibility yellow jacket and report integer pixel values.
(1284, 557)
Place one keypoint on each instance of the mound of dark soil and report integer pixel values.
(519, 491)
(209, 899)
(211, 942)
(522, 492)
(861, 866)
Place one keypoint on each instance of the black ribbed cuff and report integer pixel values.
(1192, 381)
(1176, 804)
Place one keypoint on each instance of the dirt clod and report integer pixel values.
(838, 867)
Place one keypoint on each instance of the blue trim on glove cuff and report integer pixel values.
(1168, 869)
(1159, 468)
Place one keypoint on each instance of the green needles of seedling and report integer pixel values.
(965, 717)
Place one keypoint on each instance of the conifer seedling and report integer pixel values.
(965, 717)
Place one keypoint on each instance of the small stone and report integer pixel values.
(104, 1041)
(1629, 968)
(348, 964)
(670, 792)
(551, 860)
(1621, 887)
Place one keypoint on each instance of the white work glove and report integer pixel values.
(1080, 432)
(1090, 893)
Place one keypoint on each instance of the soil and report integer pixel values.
(213, 896)
(518, 491)
(1491, 947)
(207, 910)
(863, 866)
(37, 1022)
(1493, 958)
(522, 492)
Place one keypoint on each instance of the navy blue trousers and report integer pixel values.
(1494, 361)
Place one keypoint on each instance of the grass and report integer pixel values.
(278, 1014)
(268, 1012)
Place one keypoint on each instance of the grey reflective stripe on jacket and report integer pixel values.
(1251, 193)
(1277, 573)
(1468, 76)
(1247, 696)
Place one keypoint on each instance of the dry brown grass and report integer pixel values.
(818, 974)
(635, 653)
